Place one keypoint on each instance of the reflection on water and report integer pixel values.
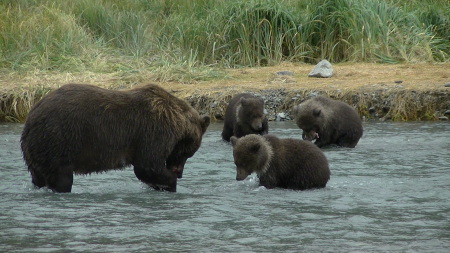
(390, 193)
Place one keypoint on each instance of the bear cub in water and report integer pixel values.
(84, 129)
(328, 122)
(244, 115)
(284, 163)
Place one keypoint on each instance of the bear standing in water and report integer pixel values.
(328, 122)
(285, 163)
(83, 129)
(244, 115)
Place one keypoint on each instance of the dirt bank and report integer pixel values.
(398, 92)
(377, 91)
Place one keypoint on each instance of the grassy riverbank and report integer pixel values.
(205, 48)
(378, 91)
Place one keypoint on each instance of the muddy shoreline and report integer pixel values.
(378, 104)
(382, 104)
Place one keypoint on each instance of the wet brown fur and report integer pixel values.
(334, 121)
(284, 163)
(244, 115)
(83, 129)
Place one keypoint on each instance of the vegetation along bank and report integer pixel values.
(391, 58)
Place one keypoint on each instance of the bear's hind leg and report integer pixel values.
(37, 178)
(62, 180)
(347, 142)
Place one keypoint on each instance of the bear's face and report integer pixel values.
(309, 120)
(251, 153)
(250, 111)
(186, 147)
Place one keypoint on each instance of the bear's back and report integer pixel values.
(230, 113)
(84, 120)
(336, 122)
(296, 164)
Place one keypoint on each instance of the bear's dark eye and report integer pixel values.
(239, 163)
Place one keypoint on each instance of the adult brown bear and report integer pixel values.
(285, 163)
(328, 122)
(244, 115)
(83, 129)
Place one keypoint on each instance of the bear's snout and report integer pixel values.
(178, 171)
(241, 175)
(258, 126)
(310, 135)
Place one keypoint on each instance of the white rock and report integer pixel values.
(322, 69)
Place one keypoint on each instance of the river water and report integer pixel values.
(389, 194)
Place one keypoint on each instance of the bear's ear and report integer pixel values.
(316, 112)
(255, 147)
(233, 140)
(295, 109)
(205, 122)
(243, 101)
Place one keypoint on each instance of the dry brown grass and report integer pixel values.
(352, 82)
(346, 77)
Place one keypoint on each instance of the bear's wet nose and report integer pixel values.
(178, 172)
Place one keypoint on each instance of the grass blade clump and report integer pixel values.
(260, 33)
(41, 37)
(123, 27)
(15, 106)
(367, 30)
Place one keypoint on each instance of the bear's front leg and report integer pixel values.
(319, 143)
(265, 127)
(227, 133)
(161, 179)
(240, 130)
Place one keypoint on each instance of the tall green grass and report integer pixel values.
(41, 36)
(368, 30)
(181, 38)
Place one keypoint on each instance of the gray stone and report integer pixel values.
(385, 118)
(322, 69)
(447, 112)
(443, 118)
(281, 116)
(284, 73)
(313, 94)
(447, 85)
(218, 116)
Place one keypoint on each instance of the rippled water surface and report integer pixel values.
(389, 194)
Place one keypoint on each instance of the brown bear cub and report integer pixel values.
(328, 122)
(83, 129)
(284, 163)
(244, 115)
